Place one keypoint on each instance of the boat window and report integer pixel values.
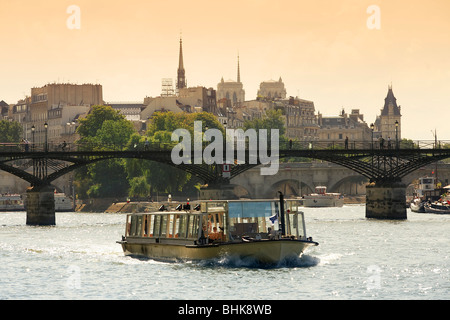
(148, 229)
(182, 229)
(206, 225)
(216, 226)
(193, 226)
(176, 226)
(163, 233)
(253, 218)
(157, 225)
(136, 225)
(252, 209)
(171, 225)
(145, 226)
(293, 225)
(127, 226)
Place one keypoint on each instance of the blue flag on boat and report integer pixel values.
(273, 218)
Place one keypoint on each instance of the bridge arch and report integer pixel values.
(290, 188)
(353, 184)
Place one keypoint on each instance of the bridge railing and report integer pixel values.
(364, 145)
(286, 145)
(58, 147)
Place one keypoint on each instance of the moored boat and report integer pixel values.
(259, 229)
(62, 203)
(429, 198)
(437, 207)
(11, 202)
(424, 191)
(321, 198)
(417, 205)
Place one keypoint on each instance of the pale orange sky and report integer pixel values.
(322, 49)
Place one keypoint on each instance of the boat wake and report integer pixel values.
(305, 261)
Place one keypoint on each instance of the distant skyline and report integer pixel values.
(328, 51)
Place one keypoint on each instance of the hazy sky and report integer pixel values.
(323, 50)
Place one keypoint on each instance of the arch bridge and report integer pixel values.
(40, 164)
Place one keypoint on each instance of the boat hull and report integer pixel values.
(323, 202)
(417, 207)
(262, 251)
(437, 209)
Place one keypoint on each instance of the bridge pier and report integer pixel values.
(40, 205)
(386, 200)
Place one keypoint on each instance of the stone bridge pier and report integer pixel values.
(40, 205)
(386, 200)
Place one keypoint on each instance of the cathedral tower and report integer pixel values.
(181, 78)
(232, 90)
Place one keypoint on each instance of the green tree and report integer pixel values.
(159, 176)
(139, 187)
(104, 129)
(10, 131)
(273, 119)
(407, 144)
(95, 119)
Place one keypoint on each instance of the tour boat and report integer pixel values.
(259, 229)
(11, 202)
(321, 198)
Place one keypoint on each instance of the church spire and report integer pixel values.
(238, 71)
(181, 80)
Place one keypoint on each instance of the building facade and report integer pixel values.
(232, 90)
(336, 129)
(300, 119)
(51, 111)
(272, 90)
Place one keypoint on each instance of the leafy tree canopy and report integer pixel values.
(104, 129)
(10, 131)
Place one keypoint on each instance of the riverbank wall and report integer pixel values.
(114, 206)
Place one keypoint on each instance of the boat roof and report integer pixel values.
(172, 205)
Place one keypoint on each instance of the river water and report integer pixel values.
(357, 258)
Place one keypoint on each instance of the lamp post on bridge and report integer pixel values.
(46, 137)
(33, 128)
(396, 134)
(371, 128)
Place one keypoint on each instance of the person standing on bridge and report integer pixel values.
(381, 142)
(346, 142)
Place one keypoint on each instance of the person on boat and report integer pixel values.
(214, 235)
(272, 233)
